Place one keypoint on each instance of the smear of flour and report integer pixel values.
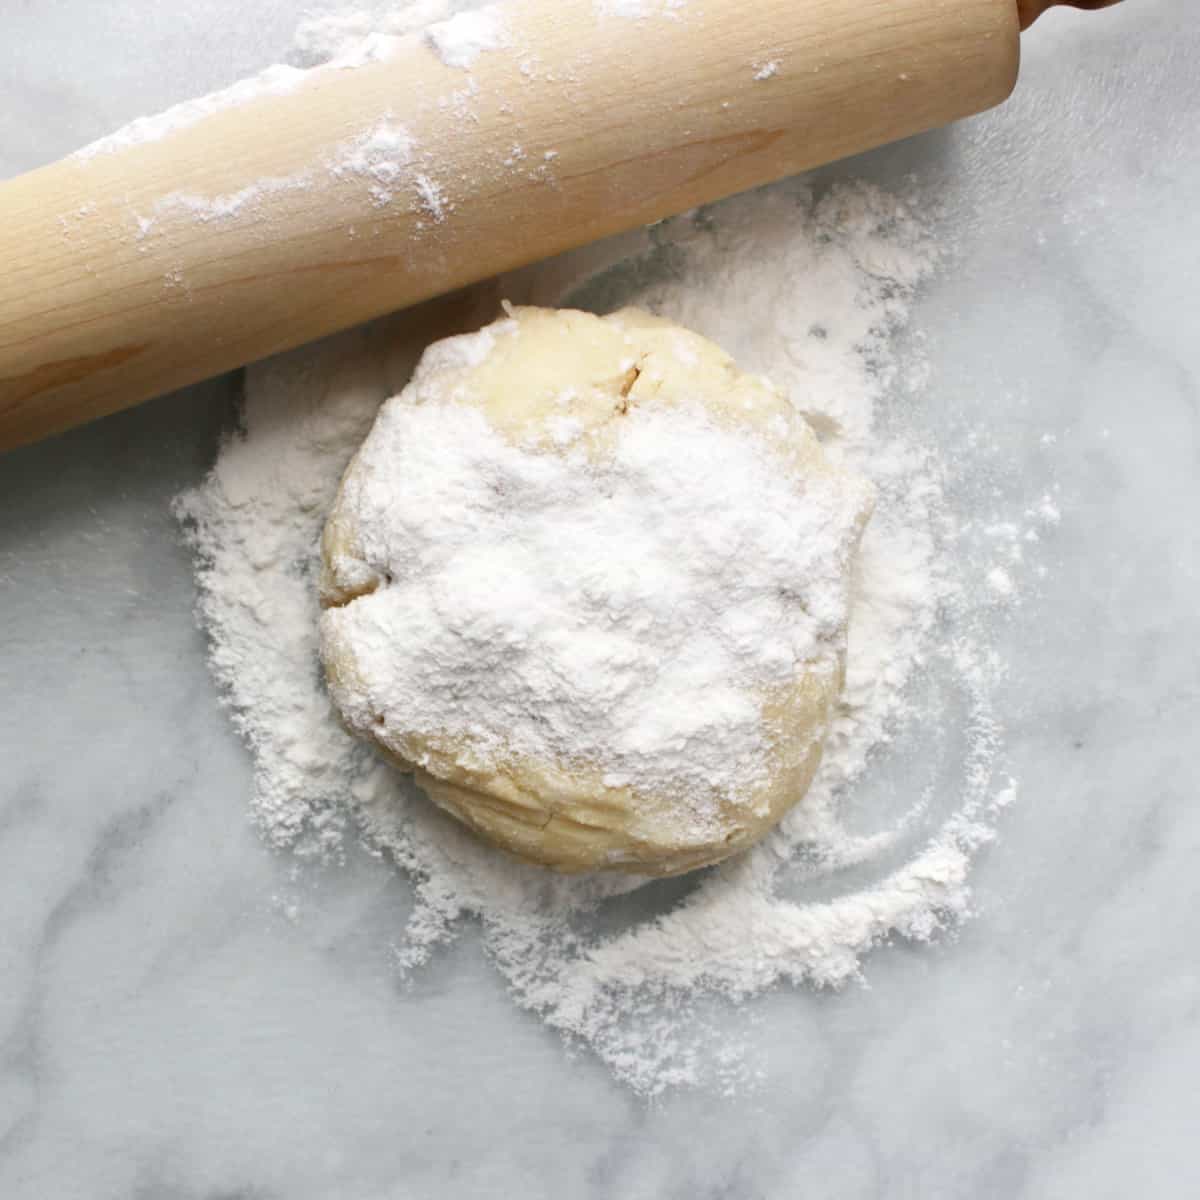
(339, 36)
(381, 158)
(338, 41)
(459, 41)
(276, 80)
(811, 291)
(639, 10)
(384, 156)
(432, 197)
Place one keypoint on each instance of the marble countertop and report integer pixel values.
(169, 1032)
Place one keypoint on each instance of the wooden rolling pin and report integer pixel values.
(438, 160)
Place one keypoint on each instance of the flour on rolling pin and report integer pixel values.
(386, 157)
(465, 36)
(411, 165)
(640, 9)
(275, 80)
(381, 157)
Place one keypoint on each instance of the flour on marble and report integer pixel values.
(811, 292)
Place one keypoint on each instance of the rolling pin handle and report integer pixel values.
(1030, 10)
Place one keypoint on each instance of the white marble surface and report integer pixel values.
(165, 1031)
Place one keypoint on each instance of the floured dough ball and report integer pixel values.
(588, 582)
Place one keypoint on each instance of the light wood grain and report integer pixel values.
(100, 310)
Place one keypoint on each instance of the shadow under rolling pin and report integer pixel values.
(187, 247)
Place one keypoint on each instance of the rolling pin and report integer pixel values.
(325, 198)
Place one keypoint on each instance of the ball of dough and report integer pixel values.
(587, 582)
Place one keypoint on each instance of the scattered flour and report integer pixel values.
(1000, 581)
(809, 291)
(766, 70)
(432, 197)
(382, 155)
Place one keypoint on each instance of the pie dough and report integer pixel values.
(574, 816)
